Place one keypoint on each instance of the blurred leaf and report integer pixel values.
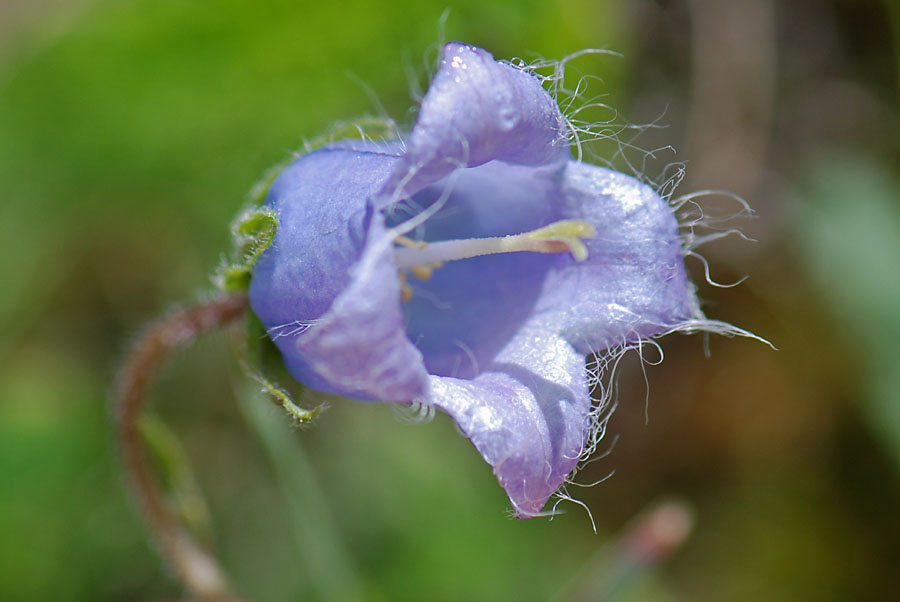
(67, 531)
(848, 229)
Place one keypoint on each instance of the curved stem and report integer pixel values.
(195, 567)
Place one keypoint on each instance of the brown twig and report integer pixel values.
(197, 569)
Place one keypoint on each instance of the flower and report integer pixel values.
(472, 267)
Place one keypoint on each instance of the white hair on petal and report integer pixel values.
(417, 412)
(289, 329)
(576, 101)
(602, 366)
(602, 372)
(562, 495)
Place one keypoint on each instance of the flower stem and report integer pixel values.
(197, 569)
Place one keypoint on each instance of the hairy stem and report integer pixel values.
(197, 569)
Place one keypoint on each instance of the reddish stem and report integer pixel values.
(194, 566)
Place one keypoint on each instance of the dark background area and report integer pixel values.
(129, 135)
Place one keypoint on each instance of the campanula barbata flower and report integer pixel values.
(472, 265)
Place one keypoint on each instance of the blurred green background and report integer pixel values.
(129, 135)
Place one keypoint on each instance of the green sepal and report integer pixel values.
(252, 234)
(254, 355)
(281, 397)
(260, 190)
(378, 129)
(362, 128)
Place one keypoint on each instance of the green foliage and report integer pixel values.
(848, 230)
(363, 128)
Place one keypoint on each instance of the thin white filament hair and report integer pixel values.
(709, 279)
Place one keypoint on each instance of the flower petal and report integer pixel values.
(327, 289)
(527, 415)
(360, 346)
(468, 310)
(633, 284)
(477, 110)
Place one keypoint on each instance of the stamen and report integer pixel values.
(559, 237)
(408, 242)
(406, 292)
(422, 272)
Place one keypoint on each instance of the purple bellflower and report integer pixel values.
(472, 266)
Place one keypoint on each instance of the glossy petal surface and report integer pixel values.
(478, 110)
(526, 413)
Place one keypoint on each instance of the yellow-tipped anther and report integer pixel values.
(566, 228)
(567, 232)
(410, 243)
(422, 271)
(406, 292)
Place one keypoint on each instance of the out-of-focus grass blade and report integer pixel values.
(848, 230)
(320, 550)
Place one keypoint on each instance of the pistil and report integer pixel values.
(559, 237)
